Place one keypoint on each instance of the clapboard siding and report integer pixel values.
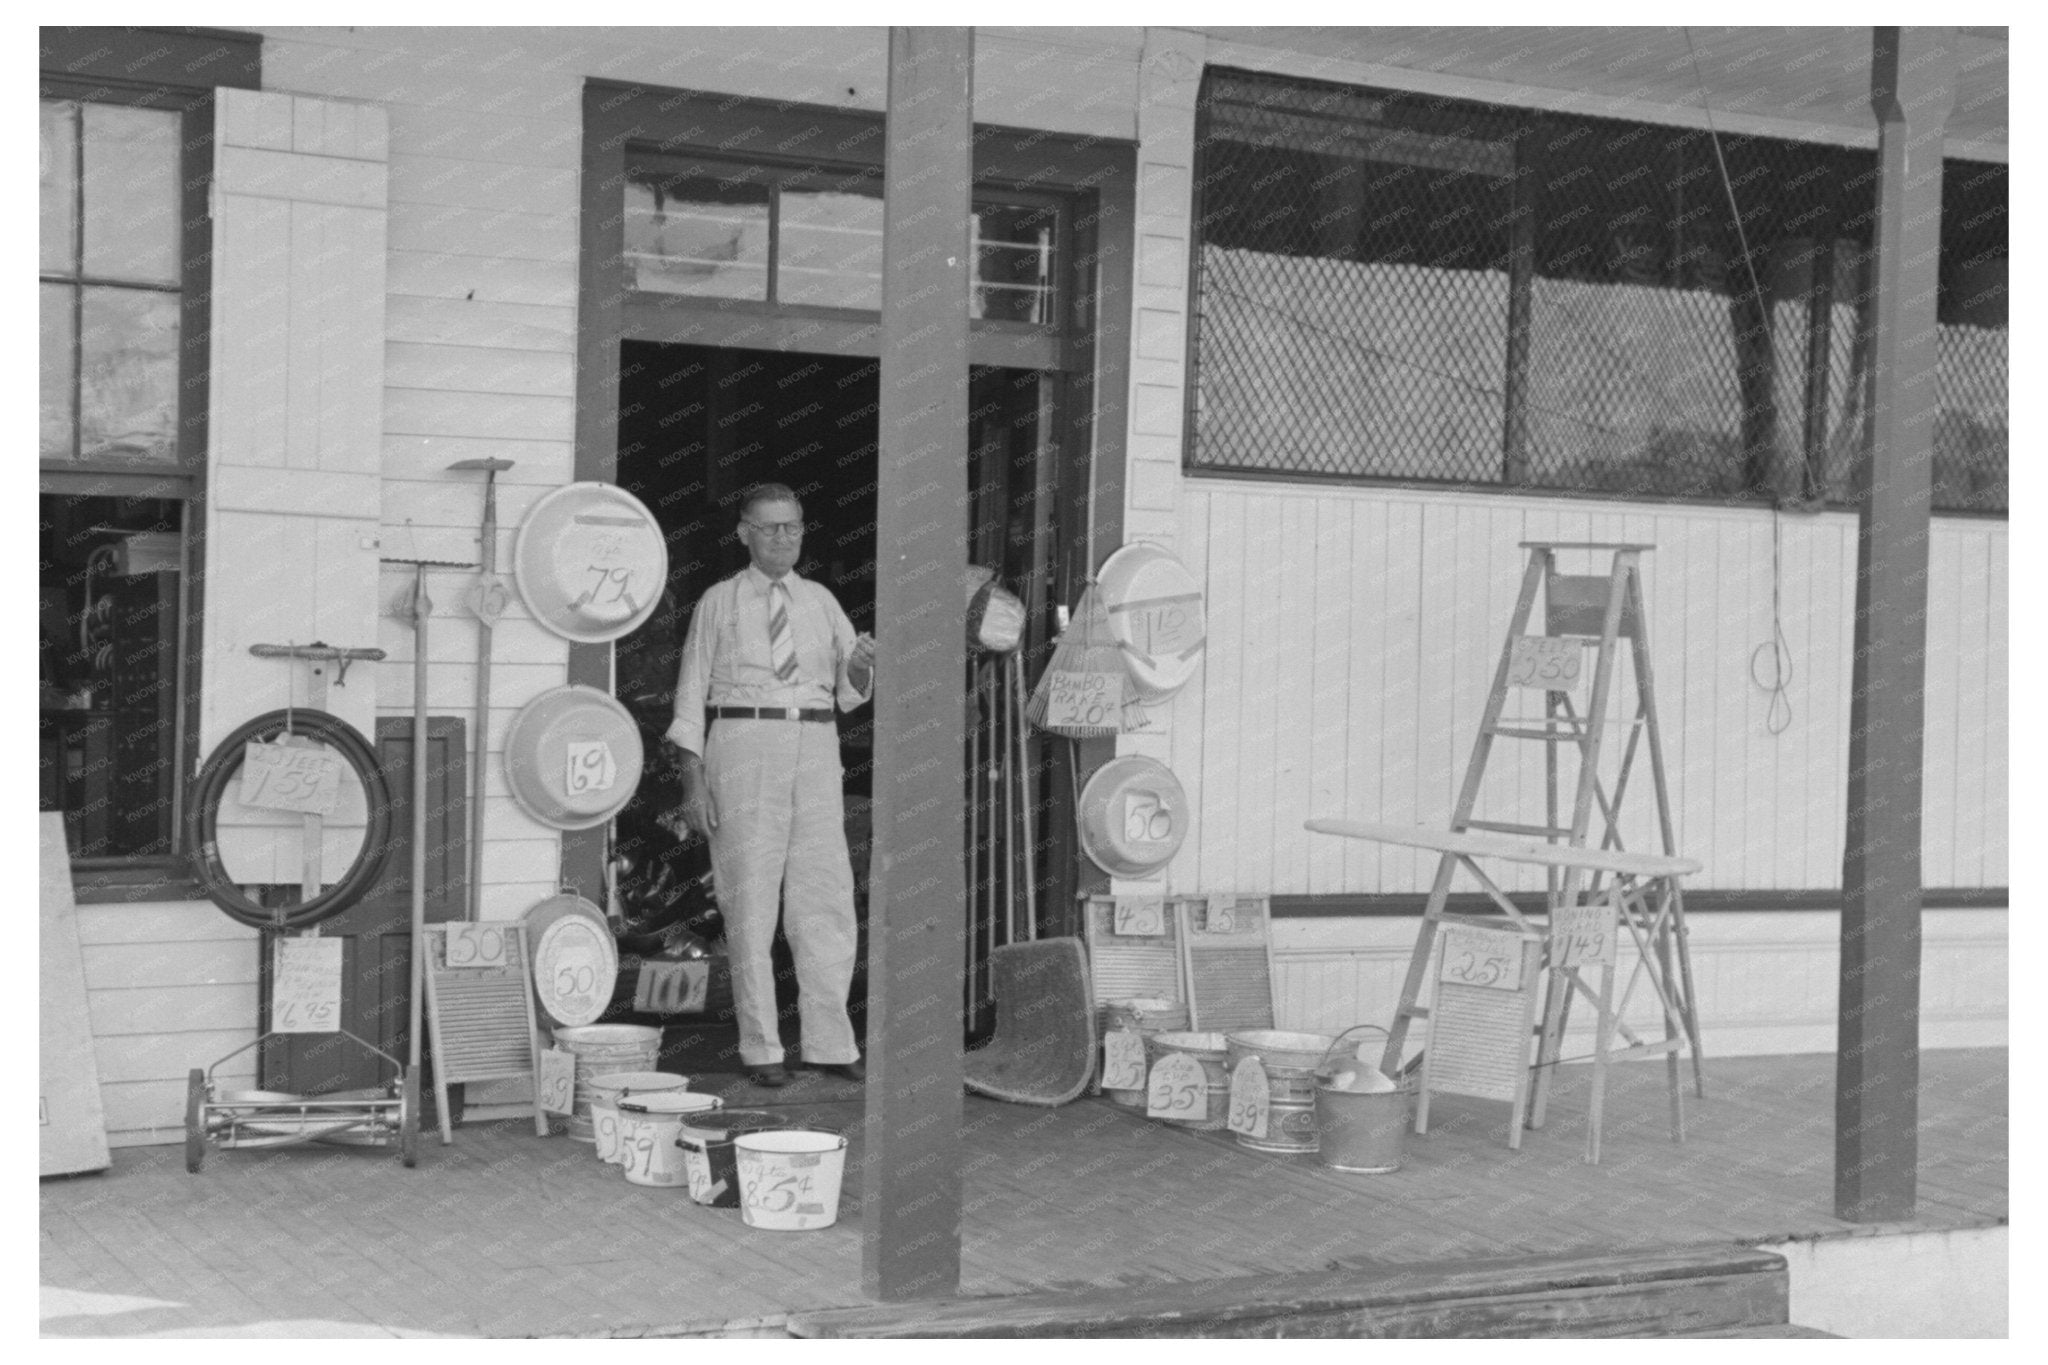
(169, 987)
(1367, 623)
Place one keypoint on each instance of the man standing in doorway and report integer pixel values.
(768, 657)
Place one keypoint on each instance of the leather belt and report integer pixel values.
(765, 713)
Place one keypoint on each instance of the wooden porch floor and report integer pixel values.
(505, 1234)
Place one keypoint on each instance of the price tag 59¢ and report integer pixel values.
(557, 1081)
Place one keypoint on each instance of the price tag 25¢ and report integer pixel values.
(1178, 1089)
(1123, 1060)
(557, 1081)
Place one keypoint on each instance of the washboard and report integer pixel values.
(481, 1020)
(1121, 966)
(1228, 943)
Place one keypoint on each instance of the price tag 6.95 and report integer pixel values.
(1123, 1060)
(305, 992)
(557, 1081)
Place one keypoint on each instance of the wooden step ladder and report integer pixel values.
(1581, 611)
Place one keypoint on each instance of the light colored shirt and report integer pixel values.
(726, 660)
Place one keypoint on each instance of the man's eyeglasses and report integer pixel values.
(781, 530)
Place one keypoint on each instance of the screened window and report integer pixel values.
(1399, 287)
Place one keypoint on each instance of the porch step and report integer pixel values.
(1665, 1292)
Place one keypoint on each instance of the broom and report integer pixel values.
(1081, 692)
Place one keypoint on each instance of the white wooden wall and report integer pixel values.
(1353, 634)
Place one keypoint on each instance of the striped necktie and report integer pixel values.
(781, 640)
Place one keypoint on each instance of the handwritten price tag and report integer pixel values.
(305, 992)
(1139, 917)
(1178, 1089)
(1219, 915)
(557, 1081)
(1145, 820)
(1164, 629)
(1583, 935)
(672, 987)
(1251, 1098)
(1123, 1060)
(1091, 700)
(1481, 957)
(293, 777)
(476, 945)
(591, 767)
(1550, 662)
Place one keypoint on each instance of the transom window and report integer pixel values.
(811, 238)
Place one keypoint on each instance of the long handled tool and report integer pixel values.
(488, 597)
(420, 608)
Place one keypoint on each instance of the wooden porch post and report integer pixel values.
(1877, 1062)
(910, 1217)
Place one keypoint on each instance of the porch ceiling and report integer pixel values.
(1800, 82)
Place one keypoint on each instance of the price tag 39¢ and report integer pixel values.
(1251, 1098)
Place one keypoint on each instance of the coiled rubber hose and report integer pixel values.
(202, 812)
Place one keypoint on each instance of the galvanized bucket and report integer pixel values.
(1360, 1133)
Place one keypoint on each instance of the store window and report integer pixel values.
(126, 156)
(1396, 287)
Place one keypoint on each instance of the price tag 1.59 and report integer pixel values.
(476, 945)
(1251, 1098)
(557, 1081)
(305, 992)
(1123, 1060)
(1178, 1089)
(287, 776)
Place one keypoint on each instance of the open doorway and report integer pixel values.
(698, 425)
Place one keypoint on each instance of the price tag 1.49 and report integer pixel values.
(300, 777)
(1251, 1098)
(1177, 1089)
(1583, 935)
(1123, 1060)
(557, 1081)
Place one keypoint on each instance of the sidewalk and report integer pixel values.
(505, 1234)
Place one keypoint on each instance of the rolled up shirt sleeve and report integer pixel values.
(693, 678)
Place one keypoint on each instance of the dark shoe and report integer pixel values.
(852, 1071)
(772, 1076)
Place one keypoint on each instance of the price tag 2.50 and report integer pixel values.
(557, 1081)
(476, 945)
(1251, 1098)
(1177, 1089)
(1550, 662)
(1123, 1060)
(1481, 957)
(300, 777)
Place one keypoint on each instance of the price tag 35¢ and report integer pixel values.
(1123, 1060)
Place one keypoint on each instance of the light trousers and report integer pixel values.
(780, 846)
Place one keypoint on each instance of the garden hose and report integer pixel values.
(202, 812)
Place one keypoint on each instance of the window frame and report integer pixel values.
(160, 69)
(1512, 456)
